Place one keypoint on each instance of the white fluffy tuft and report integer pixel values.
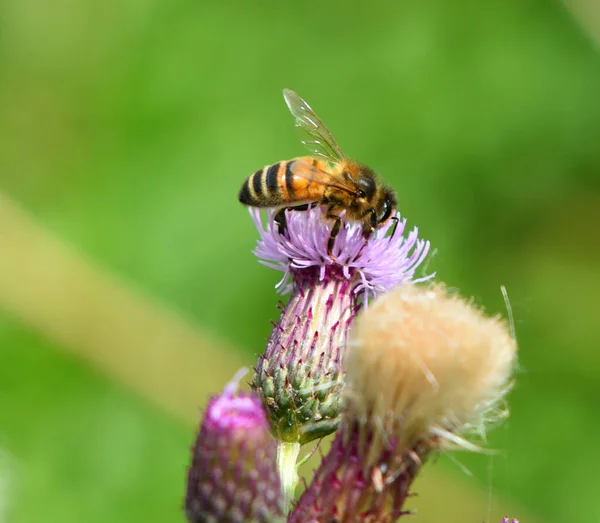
(426, 364)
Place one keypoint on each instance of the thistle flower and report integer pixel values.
(233, 476)
(298, 377)
(423, 369)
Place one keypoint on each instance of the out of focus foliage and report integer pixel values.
(128, 127)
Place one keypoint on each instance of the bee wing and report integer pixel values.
(315, 136)
(304, 169)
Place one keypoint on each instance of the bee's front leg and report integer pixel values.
(370, 222)
(335, 230)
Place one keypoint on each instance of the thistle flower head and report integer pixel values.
(299, 375)
(424, 363)
(233, 475)
(372, 265)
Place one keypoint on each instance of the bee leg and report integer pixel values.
(368, 228)
(334, 232)
(372, 223)
(395, 226)
(304, 206)
(281, 220)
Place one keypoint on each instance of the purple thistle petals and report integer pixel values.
(235, 413)
(376, 265)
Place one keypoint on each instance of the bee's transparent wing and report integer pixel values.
(314, 135)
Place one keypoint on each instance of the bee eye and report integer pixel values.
(361, 193)
(367, 187)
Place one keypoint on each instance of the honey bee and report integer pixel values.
(326, 178)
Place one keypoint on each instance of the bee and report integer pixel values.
(326, 178)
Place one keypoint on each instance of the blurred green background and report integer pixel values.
(126, 129)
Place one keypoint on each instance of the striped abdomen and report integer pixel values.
(283, 183)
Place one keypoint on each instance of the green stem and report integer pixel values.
(287, 455)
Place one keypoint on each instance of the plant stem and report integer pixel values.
(287, 455)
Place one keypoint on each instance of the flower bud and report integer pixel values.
(233, 476)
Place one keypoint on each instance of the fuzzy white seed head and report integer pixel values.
(426, 364)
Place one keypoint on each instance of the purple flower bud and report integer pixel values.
(510, 520)
(233, 476)
(299, 375)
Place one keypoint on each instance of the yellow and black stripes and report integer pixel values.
(269, 187)
(271, 178)
(286, 183)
